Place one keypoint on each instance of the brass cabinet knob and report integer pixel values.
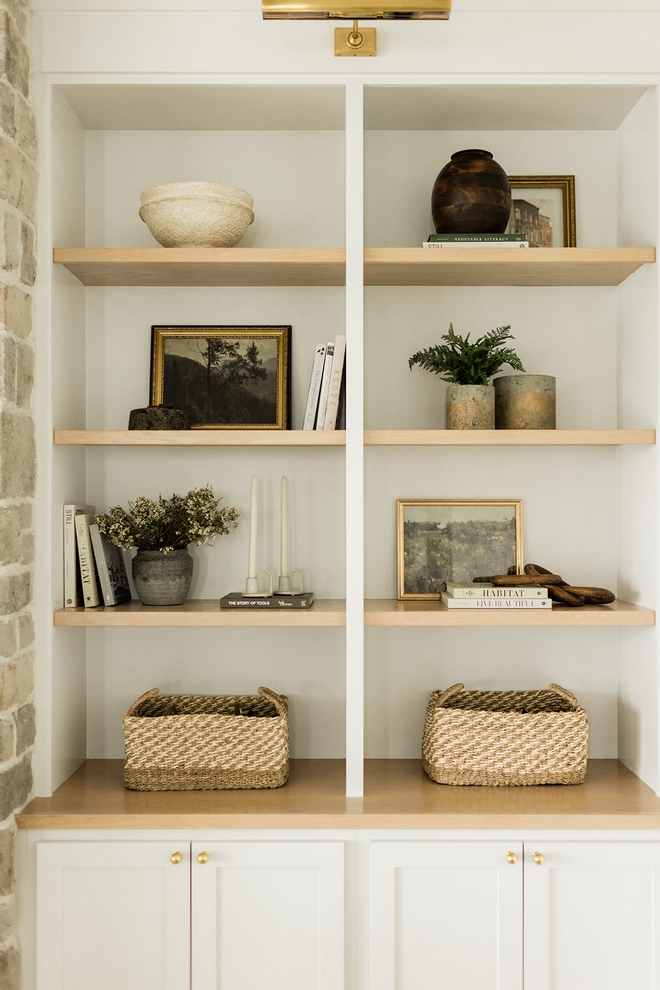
(176, 858)
(203, 858)
(512, 858)
(539, 859)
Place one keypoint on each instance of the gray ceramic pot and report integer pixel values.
(162, 578)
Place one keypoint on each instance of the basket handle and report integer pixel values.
(442, 696)
(133, 710)
(564, 693)
(279, 700)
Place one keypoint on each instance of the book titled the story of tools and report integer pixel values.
(238, 600)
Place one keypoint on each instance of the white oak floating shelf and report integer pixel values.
(201, 438)
(326, 266)
(337, 438)
(332, 612)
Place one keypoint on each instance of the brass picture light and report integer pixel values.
(357, 41)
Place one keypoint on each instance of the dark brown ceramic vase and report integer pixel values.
(471, 195)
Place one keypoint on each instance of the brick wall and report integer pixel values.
(18, 185)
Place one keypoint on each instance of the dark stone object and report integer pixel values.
(159, 418)
(471, 195)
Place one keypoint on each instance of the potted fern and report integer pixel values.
(468, 367)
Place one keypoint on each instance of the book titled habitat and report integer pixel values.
(234, 378)
(441, 541)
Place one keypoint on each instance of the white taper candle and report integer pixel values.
(284, 528)
(252, 551)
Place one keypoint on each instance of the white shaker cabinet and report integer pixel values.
(113, 915)
(268, 915)
(575, 915)
(591, 915)
(123, 915)
(446, 916)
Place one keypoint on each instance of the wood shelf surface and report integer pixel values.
(332, 612)
(398, 795)
(498, 266)
(326, 266)
(389, 612)
(201, 438)
(506, 438)
(202, 612)
(337, 438)
(204, 266)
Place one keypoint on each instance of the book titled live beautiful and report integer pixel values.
(497, 603)
(238, 600)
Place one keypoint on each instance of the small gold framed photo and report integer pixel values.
(442, 540)
(543, 209)
(227, 378)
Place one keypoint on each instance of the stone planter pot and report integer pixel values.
(470, 407)
(525, 402)
(162, 578)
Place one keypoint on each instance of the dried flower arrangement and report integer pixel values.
(170, 523)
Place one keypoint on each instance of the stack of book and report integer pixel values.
(326, 401)
(476, 241)
(490, 596)
(94, 572)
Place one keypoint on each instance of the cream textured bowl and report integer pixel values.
(196, 214)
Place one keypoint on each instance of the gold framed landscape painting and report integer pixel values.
(227, 378)
(442, 540)
(543, 209)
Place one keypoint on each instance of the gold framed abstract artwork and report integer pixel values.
(442, 540)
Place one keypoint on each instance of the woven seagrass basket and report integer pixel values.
(187, 742)
(501, 738)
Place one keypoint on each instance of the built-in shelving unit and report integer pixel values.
(586, 315)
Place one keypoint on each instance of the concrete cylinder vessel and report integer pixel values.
(525, 402)
(470, 407)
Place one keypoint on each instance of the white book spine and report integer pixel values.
(501, 603)
(314, 388)
(453, 244)
(325, 385)
(72, 592)
(335, 383)
(85, 556)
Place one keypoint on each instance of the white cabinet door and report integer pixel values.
(591, 916)
(446, 916)
(113, 916)
(268, 916)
